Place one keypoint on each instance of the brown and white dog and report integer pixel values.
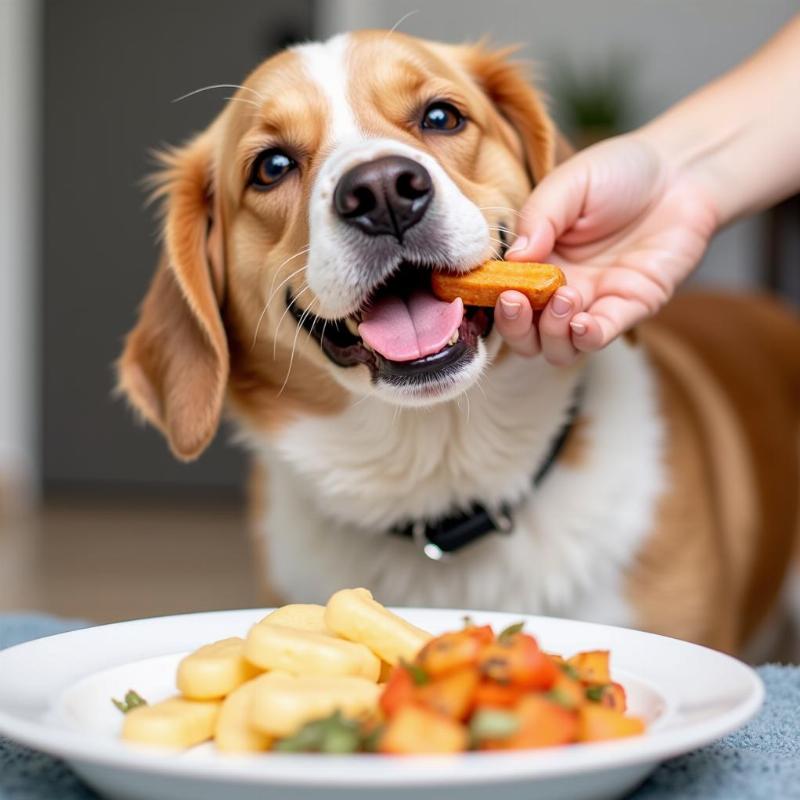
(300, 232)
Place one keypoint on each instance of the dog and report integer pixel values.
(397, 443)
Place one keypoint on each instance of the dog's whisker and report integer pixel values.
(500, 208)
(400, 22)
(294, 299)
(303, 317)
(273, 290)
(501, 228)
(219, 86)
(244, 100)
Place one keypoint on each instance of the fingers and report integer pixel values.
(513, 318)
(552, 208)
(555, 333)
(605, 320)
(552, 336)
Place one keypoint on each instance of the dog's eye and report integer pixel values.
(271, 167)
(442, 117)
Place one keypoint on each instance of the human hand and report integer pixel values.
(626, 227)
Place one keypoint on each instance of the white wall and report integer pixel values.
(678, 45)
(19, 35)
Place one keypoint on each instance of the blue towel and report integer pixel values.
(759, 762)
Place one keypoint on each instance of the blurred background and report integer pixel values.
(92, 506)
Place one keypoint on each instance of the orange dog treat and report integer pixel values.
(482, 286)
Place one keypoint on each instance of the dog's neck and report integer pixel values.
(375, 465)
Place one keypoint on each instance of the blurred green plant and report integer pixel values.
(594, 102)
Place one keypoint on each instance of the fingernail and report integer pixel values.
(510, 308)
(561, 306)
(578, 328)
(520, 243)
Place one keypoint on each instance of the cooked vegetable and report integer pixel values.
(596, 723)
(452, 695)
(452, 651)
(131, 700)
(415, 730)
(333, 734)
(592, 666)
(518, 660)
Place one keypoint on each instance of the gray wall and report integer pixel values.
(111, 70)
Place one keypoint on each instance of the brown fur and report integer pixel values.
(729, 371)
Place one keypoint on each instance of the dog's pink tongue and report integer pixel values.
(402, 329)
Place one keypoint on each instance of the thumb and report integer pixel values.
(552, 208)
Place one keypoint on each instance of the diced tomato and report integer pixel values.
(598, 723)
(415, 730)
(614, 697)
(450, 695)
(490, 694)
(452, 651)
(592, 666)
(518, 660)
(567, 691)
(543, 723)
(399, 691)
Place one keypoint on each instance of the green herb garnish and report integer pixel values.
(561, 698)
(510, 632)
(417, 673)
(595, 693)
(333, 734)
(491, 724)
(570, 671)
(131, 700)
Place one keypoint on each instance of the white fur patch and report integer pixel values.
(326, 64)
(337, 483)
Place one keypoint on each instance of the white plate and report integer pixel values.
(54, 696)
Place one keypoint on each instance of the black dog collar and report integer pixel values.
(441, 537)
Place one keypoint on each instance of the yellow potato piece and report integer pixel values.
(215, 670)
(176, 723)
(234, 732)
(274, 647)
(301, 616)
(283, 704)
(354, 615)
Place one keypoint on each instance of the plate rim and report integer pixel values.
(305, 769)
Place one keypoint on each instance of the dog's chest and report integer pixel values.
(336, 485)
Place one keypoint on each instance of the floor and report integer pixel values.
(113, 559)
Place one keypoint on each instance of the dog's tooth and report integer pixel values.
(352, 325)
(453, 338)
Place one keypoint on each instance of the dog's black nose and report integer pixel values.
(385, 196)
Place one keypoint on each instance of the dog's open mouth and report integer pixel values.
(402, 333)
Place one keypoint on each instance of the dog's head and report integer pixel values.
(301, 229)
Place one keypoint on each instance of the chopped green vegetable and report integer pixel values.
(510, 632)
(570, 671)
(417, 673)
(333, 734)
(493, 724)
(131, 700)
(561, 697)
(595, 693)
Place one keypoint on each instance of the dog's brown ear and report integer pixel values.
(174, 367)
(507, 84)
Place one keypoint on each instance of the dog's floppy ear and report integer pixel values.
(506, 83)
(174, 367)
